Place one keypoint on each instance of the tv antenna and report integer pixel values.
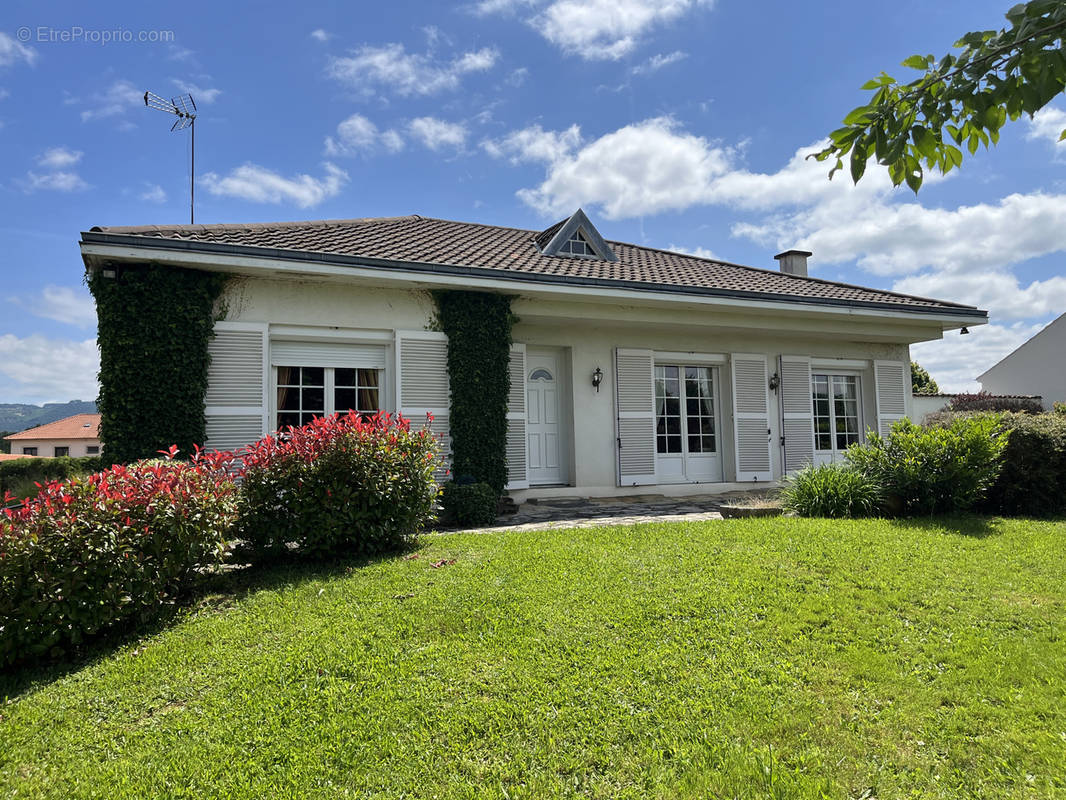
(184, 108)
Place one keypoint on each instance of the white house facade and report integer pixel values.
(1037, 367)
(631, 367)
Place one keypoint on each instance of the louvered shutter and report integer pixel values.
(235, 403)
(635, 402)
(751, 417)
(423, 388)
(893, 384)
(517, 474)
(797, 412)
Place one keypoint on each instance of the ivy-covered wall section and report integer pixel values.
(154, 327)
(478, 326)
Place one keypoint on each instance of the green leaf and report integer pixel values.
(860, 115)
(916, 62)
(858, 163)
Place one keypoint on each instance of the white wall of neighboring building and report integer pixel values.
(586, 334)
(1038, 367)
(46, 447)
(922, 405)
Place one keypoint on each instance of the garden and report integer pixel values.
(277, 626)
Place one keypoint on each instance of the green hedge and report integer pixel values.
(478, 326)
(469, 503)
(20, 471)
(154, 325)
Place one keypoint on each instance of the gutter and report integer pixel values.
(971, 314)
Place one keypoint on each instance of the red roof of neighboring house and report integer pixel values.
(80, 426)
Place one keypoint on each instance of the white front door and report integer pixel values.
(686, 424)
(544, 386)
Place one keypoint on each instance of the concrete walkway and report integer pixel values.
(592, 512)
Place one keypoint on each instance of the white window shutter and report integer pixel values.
(517, 464)
(635, 402)
(751, 417)
(422, 384)
(893, 384)
(797, 412)
(236, 407)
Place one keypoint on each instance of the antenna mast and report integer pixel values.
(184, 108)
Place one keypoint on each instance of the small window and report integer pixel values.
(304, 393)
(29, 451)
(62, 452)
(540, 374)
(92, 449)
(578, 245)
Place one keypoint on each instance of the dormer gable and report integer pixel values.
(575, 237)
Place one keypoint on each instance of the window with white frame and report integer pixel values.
(836, 411)
(684, 409)
(307, 392)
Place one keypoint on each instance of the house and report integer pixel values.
(631, 366)
(74, 436)
(1037, 367)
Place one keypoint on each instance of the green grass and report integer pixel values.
(755, 658)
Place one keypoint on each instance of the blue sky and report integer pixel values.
(675, 123)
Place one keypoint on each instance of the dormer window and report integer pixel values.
(578, 245)
(575, 236)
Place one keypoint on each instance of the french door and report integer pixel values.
(686, 424)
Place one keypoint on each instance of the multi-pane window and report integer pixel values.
(62, 452)
(684, 409)
(836, 411)
(577, 245)
(308, 392)
(29, 451)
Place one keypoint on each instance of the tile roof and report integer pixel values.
(445, 243)
(80, 426)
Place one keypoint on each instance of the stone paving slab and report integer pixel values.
(591, 522)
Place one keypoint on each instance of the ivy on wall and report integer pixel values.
(154, 325)
(478, 326)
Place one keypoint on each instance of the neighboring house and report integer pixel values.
(74, 436)
(712, 374)
(1038, 367)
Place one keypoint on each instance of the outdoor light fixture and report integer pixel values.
(597, 378)
(108, 273)
(965, 331)
(775, 381)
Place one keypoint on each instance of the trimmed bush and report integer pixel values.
(339, 484)
(984, 401)
(932, 470)
(22, 471)
(114, 549)
(469, 503)
(831, 490)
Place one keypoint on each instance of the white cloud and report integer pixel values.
(1048, 123)
(955, 361)
(320, 35)
(118, 98)
(153, 193)
(54, 182)
(658, 61)
(41, 370)
(991, 289)
(199, 94)
(390, 66)
(699, 252)
(606, 29)
(13, 51)
(260, 185)
(534, 144)
(63, 304)
(358, 134)
(59, 158)
(437, 134)
(486, 7)
(517, 77)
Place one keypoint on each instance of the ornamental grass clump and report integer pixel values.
(831, 490)
(339, 485)
(108, 551)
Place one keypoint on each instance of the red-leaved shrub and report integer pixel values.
(115, 548)
(339, 484)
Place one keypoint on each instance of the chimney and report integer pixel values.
(794, 262)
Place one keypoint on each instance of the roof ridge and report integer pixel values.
(237, 226)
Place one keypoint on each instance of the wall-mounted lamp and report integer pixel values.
(775, 381)
(108, 273)
(597, 378)
(965, 331)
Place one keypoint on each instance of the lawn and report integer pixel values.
(755, 658)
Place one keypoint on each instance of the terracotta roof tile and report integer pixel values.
(465, 244)
(80, 426)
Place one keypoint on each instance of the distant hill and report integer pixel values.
(17, 417)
